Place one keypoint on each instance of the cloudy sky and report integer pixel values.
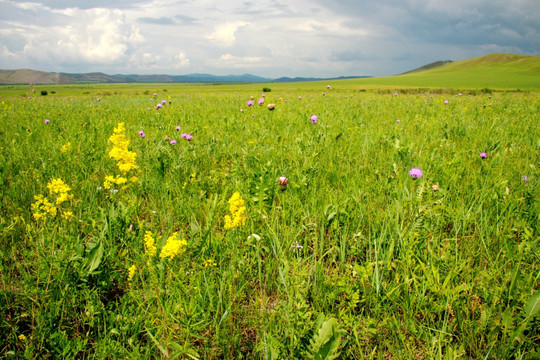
(271, 38)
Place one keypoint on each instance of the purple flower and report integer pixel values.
(261, 101)
(398, 121)
(143, 135)
(187, 136)
(98, 99)
(314, 119)
(159, 106)
(178, 128)
(483, 155)
(263, 95)
(173, 142)
(395, 94)
(141, 132)
(525, 179)
(163, 102)
(250, 103)
(299, 98)
(445, 102)
(155, 94)
(415, 173)
(46, 121)
(328, 86)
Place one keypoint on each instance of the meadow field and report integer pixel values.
(190, 222)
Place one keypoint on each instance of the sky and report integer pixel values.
(271, 38)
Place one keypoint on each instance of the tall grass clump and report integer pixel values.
(200, 224)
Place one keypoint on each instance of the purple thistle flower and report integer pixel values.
(398, 121)
(328, 86)
(98, 99)
(173, 142)
(46, 121)
(483, 155)
(525, 179)
(299, 98)
(314, 119)
(415, 173)
(155, 94)
(261, 101)
(159, 106)
(445, 102)
(250, 103)
(263, 95)
(143, 135)
(163, 102)
(141, 132)
(178, 128)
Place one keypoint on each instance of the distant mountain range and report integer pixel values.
(25, 76)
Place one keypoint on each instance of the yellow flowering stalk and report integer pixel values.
(125, 159)
(131, 272)
(238, 211)
(173, 247)
(149, 242)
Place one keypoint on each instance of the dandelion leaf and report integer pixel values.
(325, 342)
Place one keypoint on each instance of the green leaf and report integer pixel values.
(94, 257)
(326, 340)
(532, 308)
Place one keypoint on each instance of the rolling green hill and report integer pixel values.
(494, 71)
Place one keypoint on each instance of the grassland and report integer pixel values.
(353, 258)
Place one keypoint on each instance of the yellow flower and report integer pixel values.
(22, 337)
(238, 211)
(110, 180)
(173, 247)
(66, 147)
(149, 244)
(131, 272)
(210, 263)
(125, 159)
(57, 186)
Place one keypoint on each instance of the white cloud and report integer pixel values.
(238, 61)
(270, 38)
(180, 61)
(224, 34)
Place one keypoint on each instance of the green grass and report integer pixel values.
(495, 71)
(354, 258)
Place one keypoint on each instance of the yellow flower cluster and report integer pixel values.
(125, 159)
(173, 247)
(60, 193)
(149, 244)
(238, 211)
(66, 147)
(131, 272)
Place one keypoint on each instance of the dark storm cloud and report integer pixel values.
(461, 22)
